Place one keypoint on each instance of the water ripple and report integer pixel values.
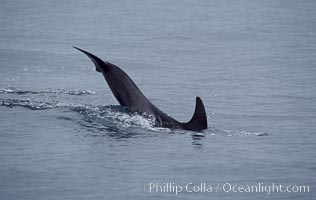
(115, 119)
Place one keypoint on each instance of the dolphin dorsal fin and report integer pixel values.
(198, 121)
(97, 61)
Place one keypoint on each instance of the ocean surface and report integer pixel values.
(64, 136)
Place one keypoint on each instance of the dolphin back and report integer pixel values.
(128, 94)
(198, 121)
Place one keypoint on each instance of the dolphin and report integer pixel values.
(129, 95)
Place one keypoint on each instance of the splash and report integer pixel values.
(28, 103)
(13, 90)
(114, 118)
(234, 133)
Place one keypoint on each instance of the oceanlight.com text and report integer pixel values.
(203, 187)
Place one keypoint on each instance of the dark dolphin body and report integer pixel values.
(128, 94)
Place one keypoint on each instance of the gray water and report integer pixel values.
(63, 135)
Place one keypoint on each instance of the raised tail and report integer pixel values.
(97, 61)
(199, 120)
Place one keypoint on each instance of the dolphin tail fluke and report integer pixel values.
(97, 61)
(199, 119)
